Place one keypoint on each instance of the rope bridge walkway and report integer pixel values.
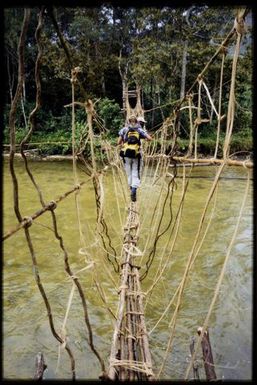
(130, 356)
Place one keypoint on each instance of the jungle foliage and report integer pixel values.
(147, 43)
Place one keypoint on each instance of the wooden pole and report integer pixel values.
(40, 366)
(122, 371)
(27, 221)
(195, 364)
(230, 162)
(207, 355)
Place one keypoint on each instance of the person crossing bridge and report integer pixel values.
(131, 152)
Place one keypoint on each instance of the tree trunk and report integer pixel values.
(158, 99)
(9, 77)
(103, 85)
(157, 93)
(123, 75)
(23, 112)
(153, 102)
(183, 76)
(183, 73)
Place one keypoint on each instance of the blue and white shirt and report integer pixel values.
(142, 133)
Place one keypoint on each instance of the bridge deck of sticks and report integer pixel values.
(130, 355)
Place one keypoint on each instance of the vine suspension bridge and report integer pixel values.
(130, 354)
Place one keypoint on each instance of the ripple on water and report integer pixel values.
(26, 326)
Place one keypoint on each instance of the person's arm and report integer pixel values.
(144, 134)
(120, 140)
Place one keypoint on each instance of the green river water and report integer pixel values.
(26, 329)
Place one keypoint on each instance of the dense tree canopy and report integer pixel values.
(162, 49)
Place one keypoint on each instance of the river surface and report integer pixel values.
(26, 328)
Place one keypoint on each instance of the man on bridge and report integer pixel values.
(130, 138)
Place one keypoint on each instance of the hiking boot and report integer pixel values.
(133, 194)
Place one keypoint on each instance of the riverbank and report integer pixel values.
(50, 145)
(201, 160)
(38, 157)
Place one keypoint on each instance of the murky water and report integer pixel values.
(26, 329)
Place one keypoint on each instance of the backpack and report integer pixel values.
(131, 143)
